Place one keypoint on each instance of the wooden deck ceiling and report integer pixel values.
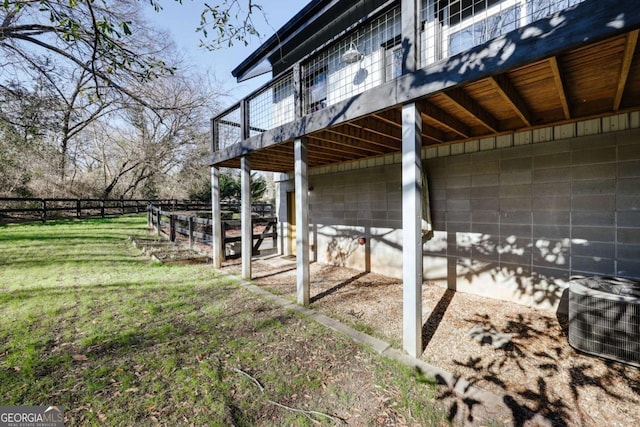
(595, 80)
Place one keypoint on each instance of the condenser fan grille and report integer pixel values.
(604, 318)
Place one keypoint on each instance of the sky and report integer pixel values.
(181, 21)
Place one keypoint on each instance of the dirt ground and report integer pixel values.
(537, 371)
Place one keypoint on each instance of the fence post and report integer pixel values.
(275, 233)
(159, 219)
(149, 216)
(43, 206)
(78, 208)
(172, 227)
(121, 205)
(223, 228)
(190, 232)
(102, 208)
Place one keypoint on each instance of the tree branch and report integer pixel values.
(84, 66)
(306, 413)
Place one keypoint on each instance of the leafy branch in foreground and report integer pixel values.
(231, 21)
(108, 38)
(96, 36)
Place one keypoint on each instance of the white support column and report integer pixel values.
(217, 238)
(245, 216)
(302, 221)
(411, 230)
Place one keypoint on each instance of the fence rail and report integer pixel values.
(177, 219)
(196, 231)
(14, 209)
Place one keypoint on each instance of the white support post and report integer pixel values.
(217, 239)
(411, 230)
(245, 216)
(302, 221)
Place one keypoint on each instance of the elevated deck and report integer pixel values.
(577, 64)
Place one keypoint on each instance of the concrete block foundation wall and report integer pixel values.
(514, 217)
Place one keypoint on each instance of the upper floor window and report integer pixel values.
(453, 26)
(317, 90)
(539, 9)
(478, 29)
(392, 51)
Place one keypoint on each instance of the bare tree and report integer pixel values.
(146, 145)
(87, 90)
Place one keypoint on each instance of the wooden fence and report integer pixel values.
(13, 209)
(196, 232)
(186, 226)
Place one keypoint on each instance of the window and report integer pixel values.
(539, 9)
(483, 30)
(317, 91)
(394, 64)
(454, 26)
(393, 55)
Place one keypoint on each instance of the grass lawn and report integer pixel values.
(90, 324)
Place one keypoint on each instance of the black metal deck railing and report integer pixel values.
(328, 75)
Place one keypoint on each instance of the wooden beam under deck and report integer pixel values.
(287, 152)
(358, 140)
(557, 77)
(509, 93)
(432, 112)
(629, 50)
(339, 145)
(378, 127)
(268, 164)
(464, 101)
(393, 117)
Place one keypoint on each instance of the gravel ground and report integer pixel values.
(538, 370)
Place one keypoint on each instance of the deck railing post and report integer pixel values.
(410, 35)
(297, 91)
